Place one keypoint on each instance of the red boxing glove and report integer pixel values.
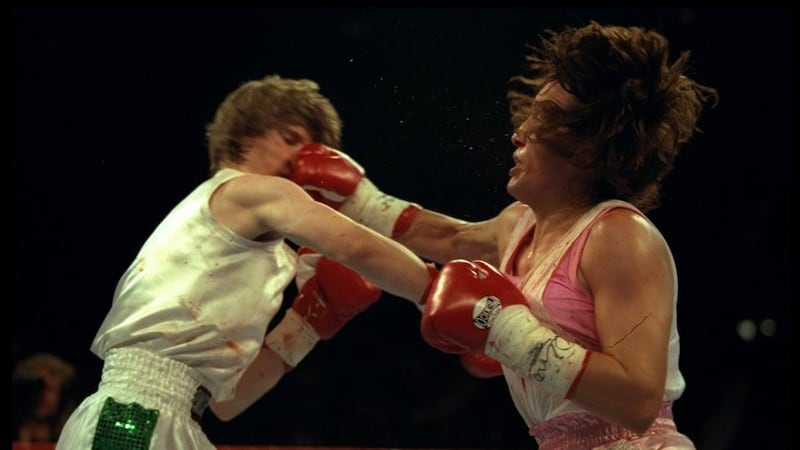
(463, 302)
(333, 296)
(327, 174)
(480, 366)
(329, 295)
(472, 307)
(332, 177)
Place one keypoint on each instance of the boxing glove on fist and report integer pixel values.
(327, 174)
(472, 307)
(462, 304)
(332, 177)
(329, 295)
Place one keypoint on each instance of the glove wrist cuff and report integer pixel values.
(534, 352)
(292, 339)
(388, 215)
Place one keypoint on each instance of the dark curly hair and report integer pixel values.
(636, 110)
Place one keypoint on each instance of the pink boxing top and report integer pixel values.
(560, 302)
(567, 302)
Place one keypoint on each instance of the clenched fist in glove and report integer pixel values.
(333, 178)
(329, 295)
(472, 307)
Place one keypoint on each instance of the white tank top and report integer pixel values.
(199, 293)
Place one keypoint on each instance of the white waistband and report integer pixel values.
(132, 374)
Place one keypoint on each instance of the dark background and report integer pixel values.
(108, 110)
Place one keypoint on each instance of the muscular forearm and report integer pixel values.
(619, 395)
(441, 238)
(391, 266)
(594, 380)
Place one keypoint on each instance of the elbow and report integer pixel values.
(641, 423)
(223, 412)
(225, 417)
(644, 412)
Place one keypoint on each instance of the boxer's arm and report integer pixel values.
(255, 206)
(329, 295)
(334, 178)
(442, 238)
(259, 378)
(473, 307)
